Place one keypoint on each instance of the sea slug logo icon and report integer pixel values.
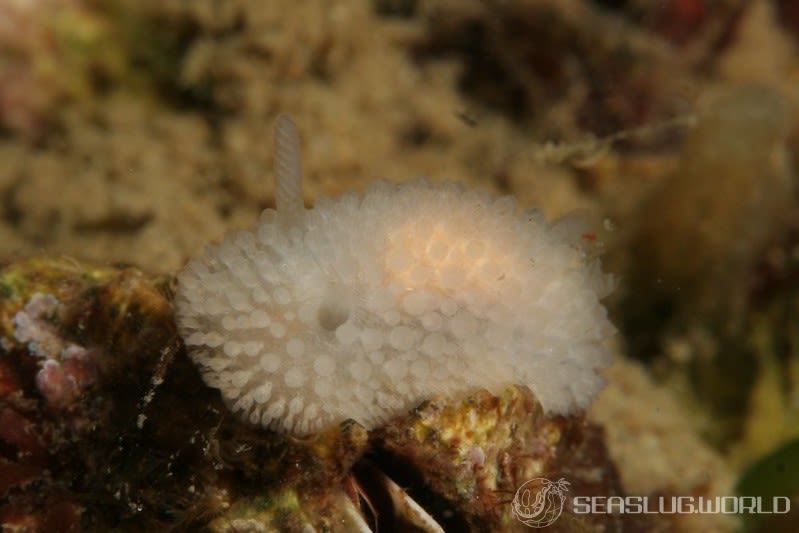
(539, 502)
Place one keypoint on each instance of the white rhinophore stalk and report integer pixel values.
(288, 173)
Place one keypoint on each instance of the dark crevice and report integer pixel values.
(405, 474)
(12, 214)
(118, 223)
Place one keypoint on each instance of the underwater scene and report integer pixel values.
(399, 266)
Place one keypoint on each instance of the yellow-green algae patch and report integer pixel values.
(475, 452)
(124, 294)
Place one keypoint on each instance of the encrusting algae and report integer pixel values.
(145, 444)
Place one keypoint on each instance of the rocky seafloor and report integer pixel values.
(131, 133)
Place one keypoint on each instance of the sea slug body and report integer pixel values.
(365, 305)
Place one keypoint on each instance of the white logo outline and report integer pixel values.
(539, 502)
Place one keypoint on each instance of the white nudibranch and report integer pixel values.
(366, 305)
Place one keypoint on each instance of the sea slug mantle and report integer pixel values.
(366, 305)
